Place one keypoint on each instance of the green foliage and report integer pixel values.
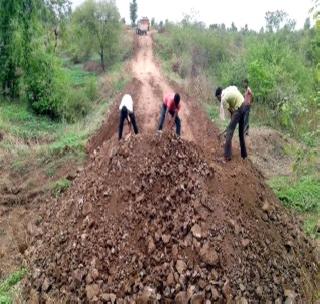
(133, 12)
(303, 195)
(282, 66)
(6, 287)
(96, 25)
(60, 186)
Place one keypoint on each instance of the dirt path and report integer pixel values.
(153, 87)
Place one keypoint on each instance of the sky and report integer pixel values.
(240, 12)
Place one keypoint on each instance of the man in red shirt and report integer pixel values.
(171, 105)
(248, 99)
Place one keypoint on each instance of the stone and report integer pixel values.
(151, 246)
(242, 301)
(170, 280)
(208, 255)
(215, 295)
(147, 296)
(34, 297)
(45, 285)
(198, 298)
(290, 296)
(245, 243)
(196, 231)
(181, 298)
(92, 291)
(166, 238)
(109, 297)
(181, 266)
(259, 291)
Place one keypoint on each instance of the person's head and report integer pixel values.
(245, 83)
(218, 93)
(176, 99)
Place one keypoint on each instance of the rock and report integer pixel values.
(109, 297)
(278, 301)
(181, 298)
(166, 238)
(259, 291)
(45, 285)
(181, 266)
(86, 208)
(266, 207)
(215, 295)
(196, 231)
(92, 291)
(245, 243)
(227, 292)
(151, 246)
(242, 301)
(290, 296)
(198, 298)
(209, 255)
(34, 297)
(148, 296)
(170, 280)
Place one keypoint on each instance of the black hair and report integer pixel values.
(218, 91)
(246, 81)
(176, 98)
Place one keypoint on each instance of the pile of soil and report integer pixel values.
(154, 220)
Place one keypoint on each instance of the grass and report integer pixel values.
(303, 196)
(7, 287)
(60, 186)
(35, 146)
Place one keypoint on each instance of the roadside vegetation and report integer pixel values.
(8, 286)
(58, 76)
(283, 68)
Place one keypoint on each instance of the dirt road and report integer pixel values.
(155, 219)
(153, 87)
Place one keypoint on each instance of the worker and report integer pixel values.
(231, 98)
(126, 113)
(248, 99)
(171, 104)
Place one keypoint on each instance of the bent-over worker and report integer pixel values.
(126, 113)
(171, 104)
(231, 98)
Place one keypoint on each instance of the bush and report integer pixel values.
(46, 84)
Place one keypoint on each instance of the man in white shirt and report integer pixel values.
(126, 113)
(234, 101)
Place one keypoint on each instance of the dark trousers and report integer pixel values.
(124, 113)
(237, 118)
(246, 118)
(163, 116)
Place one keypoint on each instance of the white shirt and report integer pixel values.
(126, 102)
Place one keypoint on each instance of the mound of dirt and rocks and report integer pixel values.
(154, 221)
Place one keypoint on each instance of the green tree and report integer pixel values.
(307, 24)
(133, 12)
(15, 21)
(54, 16)
(274, 20)
(98, 24)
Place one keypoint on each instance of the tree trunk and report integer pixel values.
(102, 59)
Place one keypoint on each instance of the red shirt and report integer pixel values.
(168, 100)
(248, 96)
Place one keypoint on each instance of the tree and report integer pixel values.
(307, 24)
(54, 17)
(274, 20)
(233, 27)
(133, 12)
(153, 22)
(98, 24)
